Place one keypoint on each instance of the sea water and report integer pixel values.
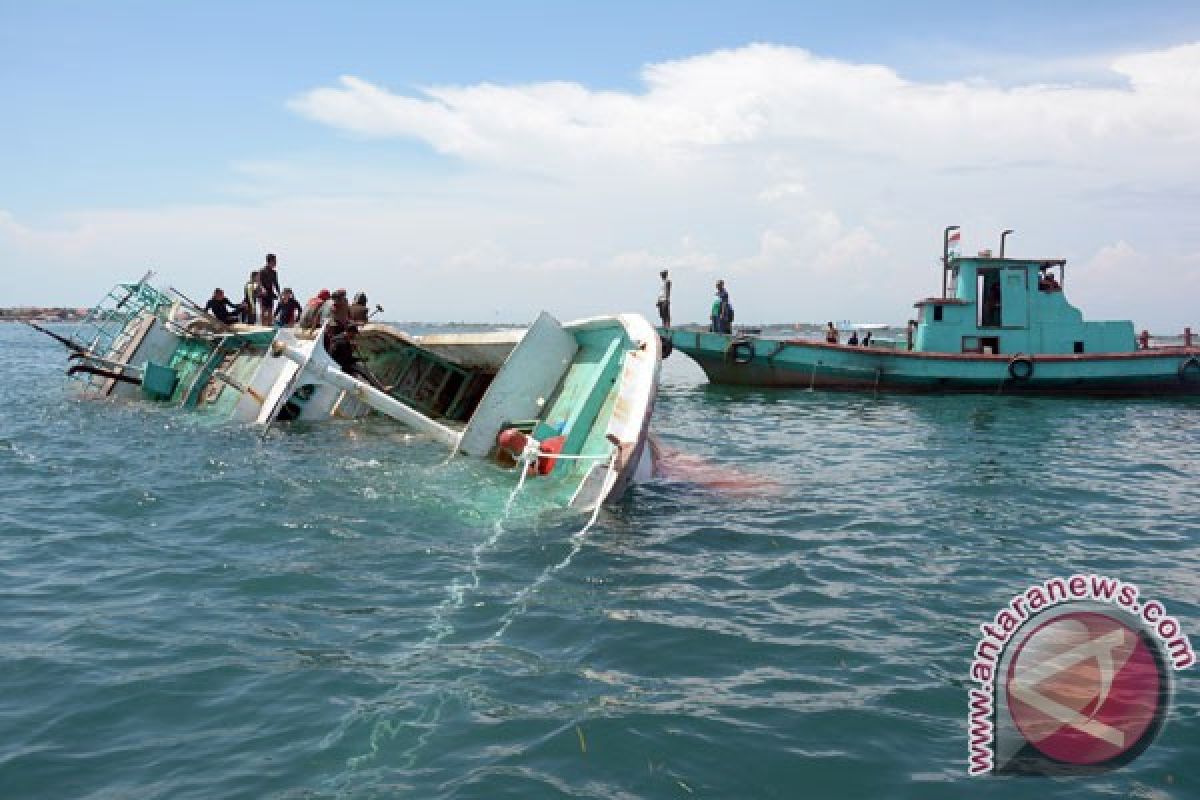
(189, 609)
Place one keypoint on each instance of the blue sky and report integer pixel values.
(140, 133)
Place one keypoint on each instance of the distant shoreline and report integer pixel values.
(42, 314)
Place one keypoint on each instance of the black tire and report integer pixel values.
(1020, 368)
(1189, 370)
(741, 351)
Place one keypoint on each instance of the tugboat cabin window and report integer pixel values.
(937, 313)
(1079, 347)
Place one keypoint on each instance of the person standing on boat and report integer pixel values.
(664, 300)
(268, 290)
(721, 315)
(289, 310)
(219, 306)
(250, 299)
(831, 333)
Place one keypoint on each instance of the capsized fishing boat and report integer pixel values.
(567, 406)
(142, 342)
(1000, 325)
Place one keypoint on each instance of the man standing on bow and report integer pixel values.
(721, 316)
(664, 300)
(268, 290)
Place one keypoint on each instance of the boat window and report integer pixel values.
(989, 344)
(937, 313)
(970, 344)
(1079, 347)
(1048, 281)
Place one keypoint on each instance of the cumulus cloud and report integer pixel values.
(818, 187)
(771, 94)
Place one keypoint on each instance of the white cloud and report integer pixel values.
(817, 187)
(765, 94)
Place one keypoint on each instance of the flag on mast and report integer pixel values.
(954, 240)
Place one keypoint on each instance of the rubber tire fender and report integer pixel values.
(1189, 370)
(741, 351)
(1018, 372)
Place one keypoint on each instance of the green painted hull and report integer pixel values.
(140, 344)
(598, 399)
(755, 361)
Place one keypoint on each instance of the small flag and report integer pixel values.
(955, 236)
(953, 241)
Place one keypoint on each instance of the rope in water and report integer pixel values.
(428, 720)
(520, 602)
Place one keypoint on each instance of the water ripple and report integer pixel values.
(336, 612)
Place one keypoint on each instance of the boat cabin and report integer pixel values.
(1009, 306)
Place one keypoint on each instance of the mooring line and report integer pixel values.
(440, 628)
(520, 601)
(431, 715)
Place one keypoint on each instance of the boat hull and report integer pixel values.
(636, 394)
(593, 382)
(754, 361)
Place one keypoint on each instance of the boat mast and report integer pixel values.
(946, 256)
(1003, 236)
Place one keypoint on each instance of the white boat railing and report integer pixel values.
(368, 394)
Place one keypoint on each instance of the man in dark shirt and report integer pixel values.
(289, 310)
(721, 315)
(219, 306)
(664, 300)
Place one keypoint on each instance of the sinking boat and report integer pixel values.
(566, 407)
(142, 342)
(1001, 325)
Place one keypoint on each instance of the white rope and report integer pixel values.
(521, 600)
(429, 719)
(527, 461)
(440, 628)
(527, 458)
(564, 457)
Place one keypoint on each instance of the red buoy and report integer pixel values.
(552, 445)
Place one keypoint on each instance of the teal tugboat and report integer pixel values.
(1001, 325)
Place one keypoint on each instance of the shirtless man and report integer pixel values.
(268, 289)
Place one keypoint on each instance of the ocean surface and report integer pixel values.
(189, 610)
